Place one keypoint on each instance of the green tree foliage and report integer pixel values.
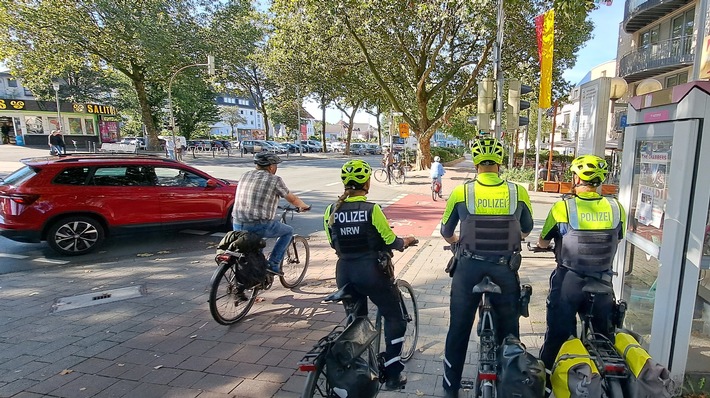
(458, 125)
(232, 116)
(193, 103)
(238, 33)
(145, 40)
(426, 57)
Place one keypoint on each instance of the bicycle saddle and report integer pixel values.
(595, 286)
(342, 294)
(486, 286)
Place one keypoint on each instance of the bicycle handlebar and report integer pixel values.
(293, 208)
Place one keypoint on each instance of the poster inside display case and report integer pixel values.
(650, 190)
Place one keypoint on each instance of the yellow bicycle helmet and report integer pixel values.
(355, 172)
(487, 149)
(590, 168)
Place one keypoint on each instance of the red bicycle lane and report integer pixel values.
(415, 214)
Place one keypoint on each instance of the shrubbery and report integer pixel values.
(447, 154)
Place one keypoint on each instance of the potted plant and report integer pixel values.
(567, 186)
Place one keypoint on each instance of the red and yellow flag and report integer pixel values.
(545, 28)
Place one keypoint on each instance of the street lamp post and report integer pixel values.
(209, 65)
(55, 85)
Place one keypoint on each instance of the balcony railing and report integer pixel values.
(663, 55)
(641, 13)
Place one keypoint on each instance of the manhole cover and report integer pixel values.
(98, 297)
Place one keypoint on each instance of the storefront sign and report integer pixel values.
(101, 109)
(12, 104)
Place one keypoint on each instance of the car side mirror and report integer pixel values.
(212, 183)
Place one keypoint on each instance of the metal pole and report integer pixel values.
(537, 145)
(59, 113)
(170, 90)
(499, 70)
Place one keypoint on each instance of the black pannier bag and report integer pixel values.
(241, 241)
(251, 265)
(521, 374)
(348, 372)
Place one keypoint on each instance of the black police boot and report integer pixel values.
(396, 383)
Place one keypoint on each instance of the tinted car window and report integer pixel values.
(121, 176)
(72, 176)
(171, 177)
(19, 176)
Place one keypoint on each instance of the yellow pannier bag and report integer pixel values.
(574, 374)
(648, 378)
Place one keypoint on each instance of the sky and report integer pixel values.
(601, 48)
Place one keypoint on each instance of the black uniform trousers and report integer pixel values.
(565, 300)
(369, 280)
(463, 307)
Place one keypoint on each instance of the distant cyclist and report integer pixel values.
(359, 232)
(586, 230)
(437, 171)
(494, 216)
(257, 197)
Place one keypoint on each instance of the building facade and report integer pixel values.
(84, 126)
(251, 125)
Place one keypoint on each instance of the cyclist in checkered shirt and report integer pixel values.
(257, 197)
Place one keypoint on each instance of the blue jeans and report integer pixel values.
(270, 229)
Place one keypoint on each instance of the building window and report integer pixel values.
(251, 112)
(28, 93)
(11, 82)
(243, 102)
(674, 80)
(649, 37)
(241, 112)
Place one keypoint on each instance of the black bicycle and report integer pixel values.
(230, 301)
(364, 340)
(612, 367)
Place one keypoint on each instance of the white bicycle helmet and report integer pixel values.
(437, 159)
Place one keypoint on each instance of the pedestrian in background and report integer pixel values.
(437, 171)
(170, 148)
(56, 143)
(6, 132)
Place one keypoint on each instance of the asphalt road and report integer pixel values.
(315, 180)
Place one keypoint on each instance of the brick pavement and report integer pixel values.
(165, 344)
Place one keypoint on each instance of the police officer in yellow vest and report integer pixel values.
(495, 215)
(586, 229)
(359, 232)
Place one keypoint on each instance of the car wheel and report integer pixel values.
(73, 236)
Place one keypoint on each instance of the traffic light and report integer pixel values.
(515, 104)
(210, 65)
(485, 104)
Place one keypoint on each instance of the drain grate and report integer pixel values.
(103, 297)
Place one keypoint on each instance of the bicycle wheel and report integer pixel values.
(398, 176)
(433, 192)
(295, 262)
(227, 304)
(412, 313)
(381, 175)
(316, 382)
(613, 388)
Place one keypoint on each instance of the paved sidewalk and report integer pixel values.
(164, 343)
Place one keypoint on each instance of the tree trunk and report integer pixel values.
(323, 126)
(146, 113)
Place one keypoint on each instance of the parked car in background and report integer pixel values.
(336, 146)
(119, 194)
(276, 147)
(254, 146)
(139, 142)
(374, 149)
(314, 146)
(358, 148)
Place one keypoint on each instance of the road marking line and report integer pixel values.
(17, 256)
(49, 260)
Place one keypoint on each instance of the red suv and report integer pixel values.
(75, 201)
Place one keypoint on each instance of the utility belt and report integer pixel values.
(501, 260)
(604, 276)
(513, 261)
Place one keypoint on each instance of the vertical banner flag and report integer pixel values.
(545, 29)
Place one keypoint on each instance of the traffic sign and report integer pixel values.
(403, 130)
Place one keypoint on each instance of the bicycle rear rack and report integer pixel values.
(308, 362)
(610, 363)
